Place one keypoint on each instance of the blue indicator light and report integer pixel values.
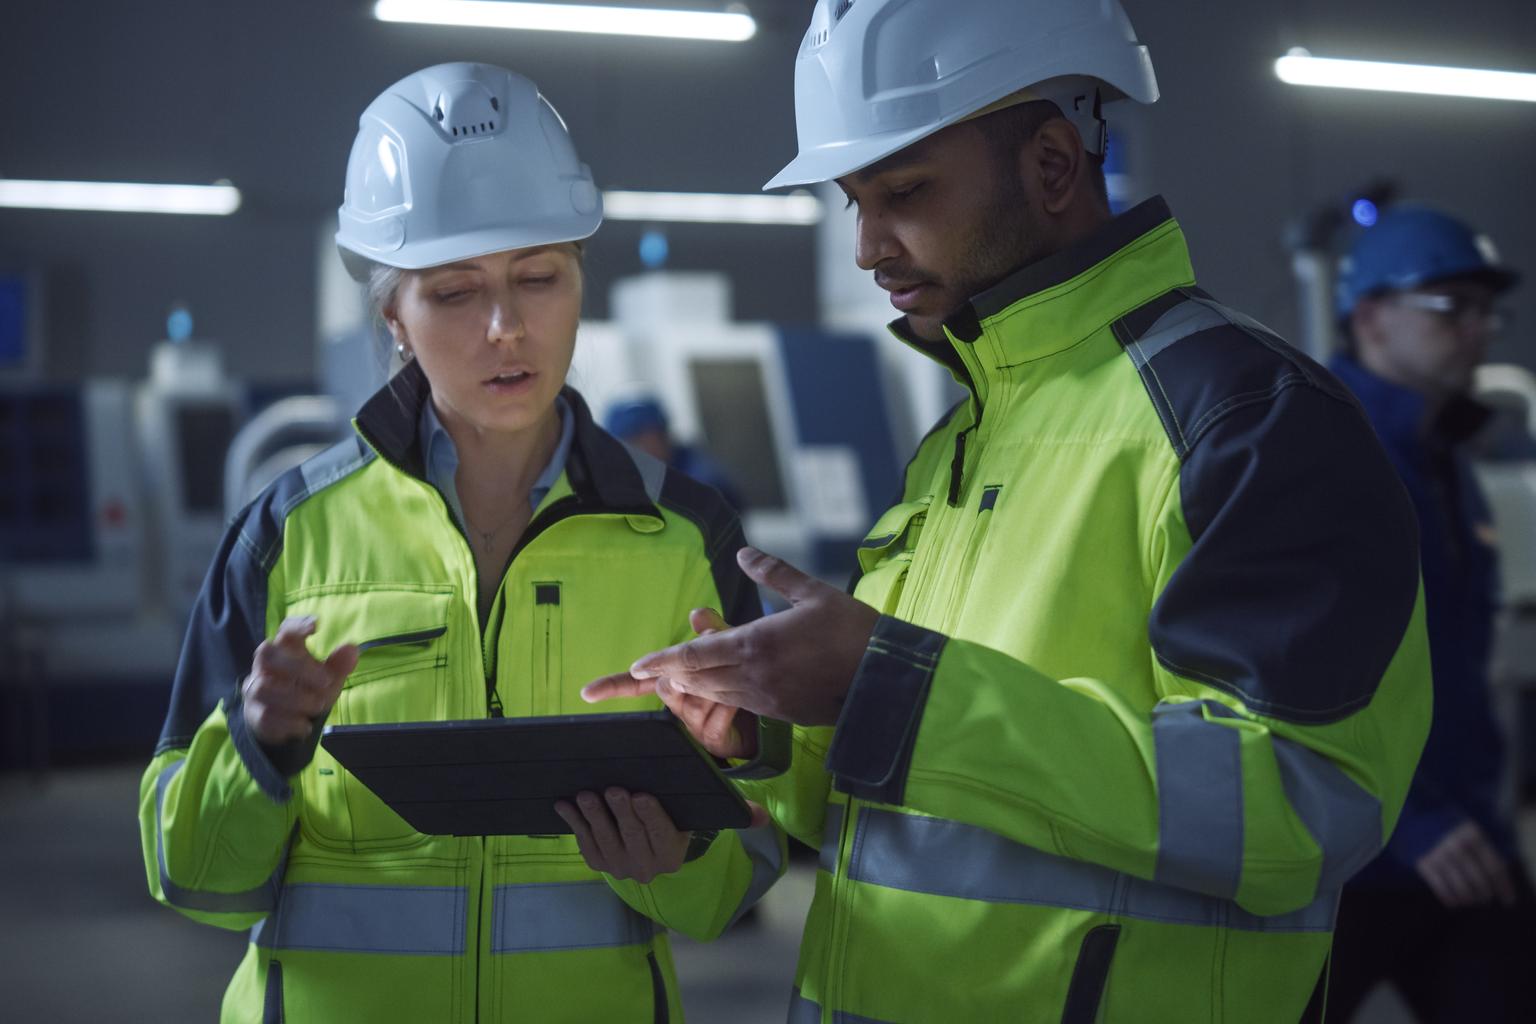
(653, 249)
(178, 326)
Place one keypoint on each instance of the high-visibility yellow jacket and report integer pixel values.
(353, 915)
(1151, 678)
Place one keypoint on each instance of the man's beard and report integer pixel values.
(1007, 236)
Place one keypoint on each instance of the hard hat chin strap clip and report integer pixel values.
(1102, 150)
(1081, 101)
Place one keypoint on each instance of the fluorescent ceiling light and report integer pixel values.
(712, 207)
(1301, 68)
(119, 197)
(721, 26)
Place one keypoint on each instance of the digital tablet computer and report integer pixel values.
(502, 776)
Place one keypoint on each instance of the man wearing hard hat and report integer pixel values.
(1135, 674)
(1446, 912)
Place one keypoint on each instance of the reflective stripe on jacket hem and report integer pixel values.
(949, 858)
(431, 920)
(564, 915)
(803, 1011)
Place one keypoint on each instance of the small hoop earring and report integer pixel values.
(400, 348)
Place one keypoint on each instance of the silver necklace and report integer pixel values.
(488, 536)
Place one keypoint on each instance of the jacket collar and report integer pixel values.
(602, 474)
(1044, 307)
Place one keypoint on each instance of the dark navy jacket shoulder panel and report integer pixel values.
(228, 620)
(1303, 571)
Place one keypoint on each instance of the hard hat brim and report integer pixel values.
(467, 246)
(827, 163)
(832, 161)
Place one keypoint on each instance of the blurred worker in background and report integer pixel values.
(1135, 675)
(480, 547)
(641, 421)
(1446, 914)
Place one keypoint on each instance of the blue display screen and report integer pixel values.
(14, 295)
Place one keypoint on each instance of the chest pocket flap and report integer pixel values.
(388, 623)
(885, 555)
(402, 675)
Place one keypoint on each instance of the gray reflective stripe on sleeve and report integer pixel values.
(1188, 317)
(564, 915)
(831, 835)
(803, 1011)
(950, 858)
(422, 920)
(1344, 819)
(762, 847)
(252, 901)
(1236, 317)
(1199, 799)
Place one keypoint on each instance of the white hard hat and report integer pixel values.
(875, 76)
(457, 161)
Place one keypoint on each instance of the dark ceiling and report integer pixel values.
(267, 94)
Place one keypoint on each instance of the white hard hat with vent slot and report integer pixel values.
(457, 161)
(874, 76)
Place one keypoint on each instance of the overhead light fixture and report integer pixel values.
(119, 197)
(1298, 67)
(797, 208)
(719, 26)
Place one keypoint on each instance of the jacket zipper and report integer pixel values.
(565, 508)
(839, 912)
(957, 462)
(493, 709)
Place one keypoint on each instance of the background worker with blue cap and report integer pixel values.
(1445, 913)
(640, 420)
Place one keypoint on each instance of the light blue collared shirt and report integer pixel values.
(441, 457)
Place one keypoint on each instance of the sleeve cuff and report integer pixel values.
(871, 751)
(699, 843)
(254, 755)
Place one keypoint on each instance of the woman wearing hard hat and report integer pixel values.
(480, 548)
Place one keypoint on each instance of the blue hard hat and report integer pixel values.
(634, 416)
(1413, 246)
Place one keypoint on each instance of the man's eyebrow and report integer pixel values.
(897, 161)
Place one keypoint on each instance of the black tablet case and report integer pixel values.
(502, 776)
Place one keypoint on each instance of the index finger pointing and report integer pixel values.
(715, 650)
(620, 684)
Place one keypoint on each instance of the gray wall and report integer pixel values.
(268, 95)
